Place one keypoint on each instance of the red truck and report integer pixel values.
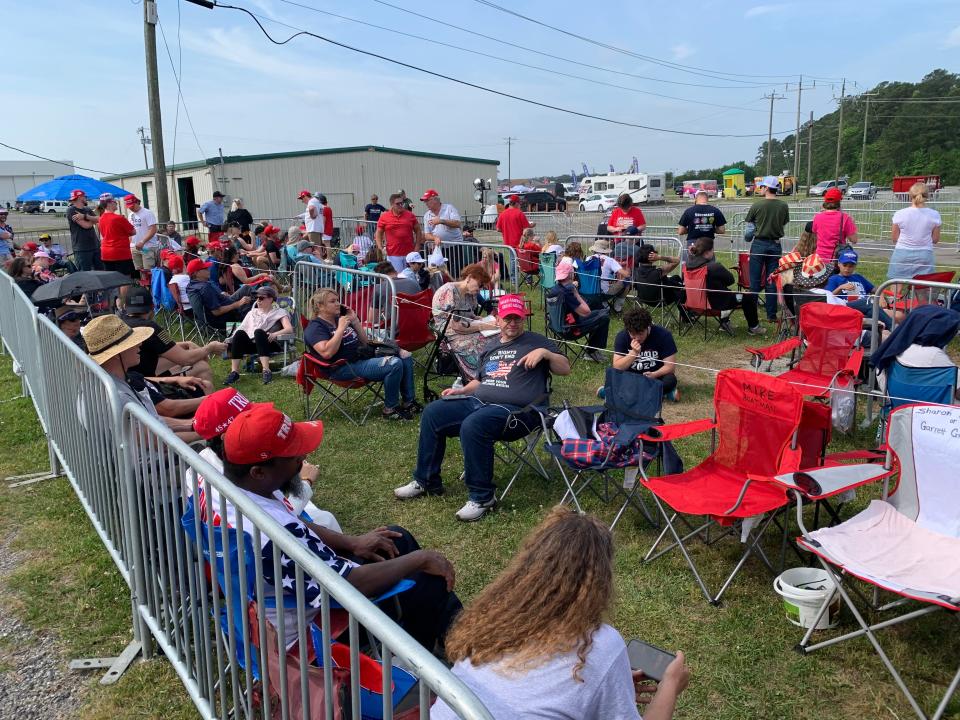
(903, 184)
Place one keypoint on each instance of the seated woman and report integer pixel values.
(335, 333)
(534, 643)
(719, 279)
(790, 263)
(643, 347)
(490, 261)
(258, 333)
(572, 254)
(551, 244)
(465, 330)
(230, 273)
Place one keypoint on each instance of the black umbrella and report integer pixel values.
(78, 283)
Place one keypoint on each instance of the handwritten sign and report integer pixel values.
(936, 457)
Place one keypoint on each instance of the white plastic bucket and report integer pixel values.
(803, 591)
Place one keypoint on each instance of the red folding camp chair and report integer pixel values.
(528, 262)
(314, 372)
(907, 543)
(756, 423)
(697, 302)
(913, 297)
(828, 347)
(742, 271)
(414, 313)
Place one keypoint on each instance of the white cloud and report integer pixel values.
(759, 10)
(953, 38)
(681, 51)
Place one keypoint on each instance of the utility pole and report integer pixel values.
(796, 137)
(836, 169)
(866, 117)
(153, 100)
(772, 96)
(509, 159)
(810, 154)
(144, 140)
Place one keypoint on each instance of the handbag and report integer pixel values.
(385, 348)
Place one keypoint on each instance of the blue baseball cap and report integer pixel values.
(847, 257)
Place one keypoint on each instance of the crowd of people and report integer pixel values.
(555, 657)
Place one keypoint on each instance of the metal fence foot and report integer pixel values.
(115, 666)
(21, 480)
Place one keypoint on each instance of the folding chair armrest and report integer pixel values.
(323, 365)
(864, 455)
(833, 480)
(675, 431)
(854, 362)
(772, 352)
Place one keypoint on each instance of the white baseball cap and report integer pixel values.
(414, 257)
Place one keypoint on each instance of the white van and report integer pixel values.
(54, 206)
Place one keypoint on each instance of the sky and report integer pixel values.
(80, 93)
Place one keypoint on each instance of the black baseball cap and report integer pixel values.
(138, 300)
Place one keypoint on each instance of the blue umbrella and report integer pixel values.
(60, 188)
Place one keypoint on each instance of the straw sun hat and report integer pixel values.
(107, 336)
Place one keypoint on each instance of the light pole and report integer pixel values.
(866, 118)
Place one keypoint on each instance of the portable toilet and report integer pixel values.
(734, 183)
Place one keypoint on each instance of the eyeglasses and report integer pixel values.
(512, 319)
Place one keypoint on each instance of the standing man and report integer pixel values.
(769, 216)
(441, 221)
(313, 217)
(83, 238)
(212, 216)
(512, 222)
(407, 202)
(514, 373)
(398, 233)
(143, 247)
(6, 238)
(327, 213)
(701, 219)
(373, 209)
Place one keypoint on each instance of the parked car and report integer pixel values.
(541, 201)
(821, 187)
(678, 188)
(749, 188)
(31, 206)
(598, 203)
(863, 191)
(54, 206)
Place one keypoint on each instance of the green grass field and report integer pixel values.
(741, 653)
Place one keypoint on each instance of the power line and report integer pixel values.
(516, 63)
(57, 162)
(621, 73)
(693, 70)
(466, 83)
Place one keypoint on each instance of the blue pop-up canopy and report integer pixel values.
(60, 188)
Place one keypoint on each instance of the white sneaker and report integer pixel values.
(411, 490)
(473, 511)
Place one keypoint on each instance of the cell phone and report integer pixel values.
(649, 658)
(344, 310)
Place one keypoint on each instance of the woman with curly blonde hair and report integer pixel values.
(534, 643)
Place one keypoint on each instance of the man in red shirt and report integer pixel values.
(625, 216)
(512, 222)
(327, 221)
(401, 230)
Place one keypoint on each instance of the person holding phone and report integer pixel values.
(534, 645)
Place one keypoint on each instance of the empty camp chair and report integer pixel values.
(631, 409)
(826, 351)
(755, 425)
(742, 271)
(904, 298)
(414, 313)
(907, 543)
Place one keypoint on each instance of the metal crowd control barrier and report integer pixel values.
(371, 295)
(665, 245)
(348, 230)
(130, 473)
(921, 291)
(461, 254)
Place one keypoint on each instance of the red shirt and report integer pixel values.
(327, 221)
(511, 223)
(622, 220)
(115, 232)
(398, 231)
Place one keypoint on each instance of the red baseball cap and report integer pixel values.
(217, 411)
(431, 193)
(833, 195)
(304, 193)
(31, 246)
(196, 265)
(74, 194)
(192, 240)
(174, 262)
(130, 200)
(513, 199)
(263, 432)
(511, 305)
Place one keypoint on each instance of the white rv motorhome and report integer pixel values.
(643, 187)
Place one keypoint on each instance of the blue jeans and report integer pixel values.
(395, 373)
(479, 426)
(764, 256)
(866, 309)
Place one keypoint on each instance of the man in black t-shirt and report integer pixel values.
(83, 238)
(701, 220)
(373, 209)
(654, 284)
(514, 373)
(646, 348)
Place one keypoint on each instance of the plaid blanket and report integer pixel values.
(604, 452)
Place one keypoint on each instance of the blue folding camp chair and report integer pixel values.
(906, 385)
(632, 406)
